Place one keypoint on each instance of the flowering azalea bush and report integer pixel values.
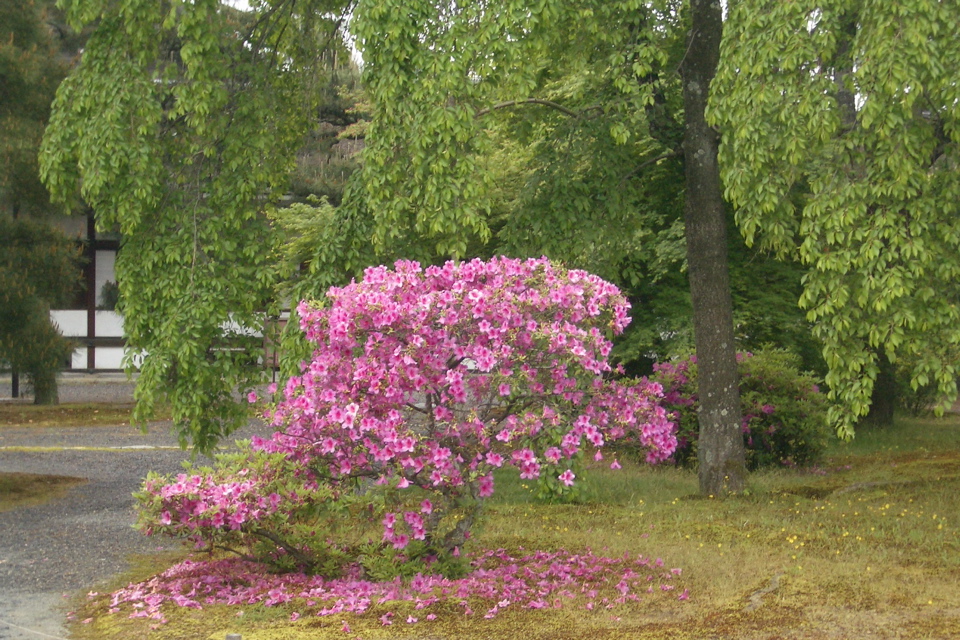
(422, 383)
(784, 413)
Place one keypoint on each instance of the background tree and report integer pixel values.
(721, 453)
(602, 186)
(853, 106)
(330, 152)
(30, 70)
(178, 127)
(39, 269)
(38, 265)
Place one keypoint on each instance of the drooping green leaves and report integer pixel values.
(849, 110)
(178, 128)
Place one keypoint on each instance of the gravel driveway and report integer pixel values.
(51, 551)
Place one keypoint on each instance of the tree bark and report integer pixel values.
(883, 400)
(720, 447)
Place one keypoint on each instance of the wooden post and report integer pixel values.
(91, 277)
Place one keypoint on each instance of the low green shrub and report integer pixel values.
(784, 413)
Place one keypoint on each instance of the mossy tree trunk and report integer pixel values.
(721, 450)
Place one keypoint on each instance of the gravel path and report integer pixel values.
(51, 551)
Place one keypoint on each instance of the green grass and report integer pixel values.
(63, 415)
(867, 545)
(25, 489)
(68, 415)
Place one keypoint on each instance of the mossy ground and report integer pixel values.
(25, 489)
(866, 546)
(16, 414)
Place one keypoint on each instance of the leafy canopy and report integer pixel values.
(840, 145)
(38, 265)
(176, 127)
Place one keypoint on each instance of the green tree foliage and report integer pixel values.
(331, 150)
(30, 70)
(38, 270)
(177, 128)
(38, 265)
(599, 184)
(841, 135)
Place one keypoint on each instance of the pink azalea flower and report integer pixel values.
(397, 391)
(485, 486)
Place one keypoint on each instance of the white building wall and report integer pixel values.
(109, 324)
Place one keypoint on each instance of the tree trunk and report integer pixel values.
(883, 400)
(721, 451)
(45, 389)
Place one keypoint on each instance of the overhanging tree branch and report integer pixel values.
(515, 103)
(640, 167)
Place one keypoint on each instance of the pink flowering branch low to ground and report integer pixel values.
(497, 581)
(422, 383)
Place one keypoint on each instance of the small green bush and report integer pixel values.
(784, 413)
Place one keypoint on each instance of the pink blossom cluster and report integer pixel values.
(431, 379)
(211, 502)
(434, 377)
(498, 581)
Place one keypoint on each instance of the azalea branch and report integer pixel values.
(301, 557)
(240, 554)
